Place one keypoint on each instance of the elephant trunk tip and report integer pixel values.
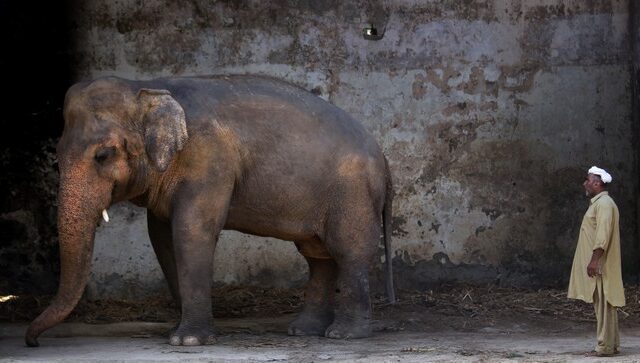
(31, 337)
(50, 317)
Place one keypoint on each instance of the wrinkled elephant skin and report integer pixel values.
(247, 153)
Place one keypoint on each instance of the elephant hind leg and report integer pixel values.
(317, 313)
(352, 238)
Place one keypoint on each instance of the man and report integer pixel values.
(596, 274)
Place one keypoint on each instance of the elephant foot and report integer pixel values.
(348, 330)
(308, 323)
(192, 336)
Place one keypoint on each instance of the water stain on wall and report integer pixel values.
(489, 112)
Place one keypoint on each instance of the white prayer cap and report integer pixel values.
(606, 177)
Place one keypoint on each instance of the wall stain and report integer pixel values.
(460, 94)
(397, 223)
(492, 213)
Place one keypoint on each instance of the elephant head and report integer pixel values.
(116, 138)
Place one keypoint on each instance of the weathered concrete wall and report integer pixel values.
(489, 111)
(634, 25)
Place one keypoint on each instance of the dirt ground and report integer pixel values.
(452, 323)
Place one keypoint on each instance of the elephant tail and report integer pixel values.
(386, 226)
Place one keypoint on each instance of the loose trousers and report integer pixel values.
(607, 322)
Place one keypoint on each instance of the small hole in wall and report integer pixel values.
(372, 33)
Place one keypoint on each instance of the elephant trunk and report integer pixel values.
(78, 213)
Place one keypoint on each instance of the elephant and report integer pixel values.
(242, 152)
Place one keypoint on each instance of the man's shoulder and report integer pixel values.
(606, 200)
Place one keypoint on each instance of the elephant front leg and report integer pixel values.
(195, 234)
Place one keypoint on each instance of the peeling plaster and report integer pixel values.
(488, 111)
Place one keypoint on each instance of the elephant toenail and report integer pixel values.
(190, 340)
(332, 334)
(175, 340)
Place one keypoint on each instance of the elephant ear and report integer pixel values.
(165, 127)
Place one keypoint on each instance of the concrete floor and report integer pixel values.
(265, 340)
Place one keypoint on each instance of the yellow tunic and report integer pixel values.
(599, 229)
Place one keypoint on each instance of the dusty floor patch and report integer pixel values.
(260, 340)
(455, 307)
(452, 323)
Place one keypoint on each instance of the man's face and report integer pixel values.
(592, 185)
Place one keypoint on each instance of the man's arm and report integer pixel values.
(592, 268)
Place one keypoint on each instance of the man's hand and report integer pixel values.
(593, 269)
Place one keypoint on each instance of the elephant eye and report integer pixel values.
(104, 153)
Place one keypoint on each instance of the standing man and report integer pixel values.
(596, 275)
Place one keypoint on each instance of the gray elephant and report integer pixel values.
(246, 153)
